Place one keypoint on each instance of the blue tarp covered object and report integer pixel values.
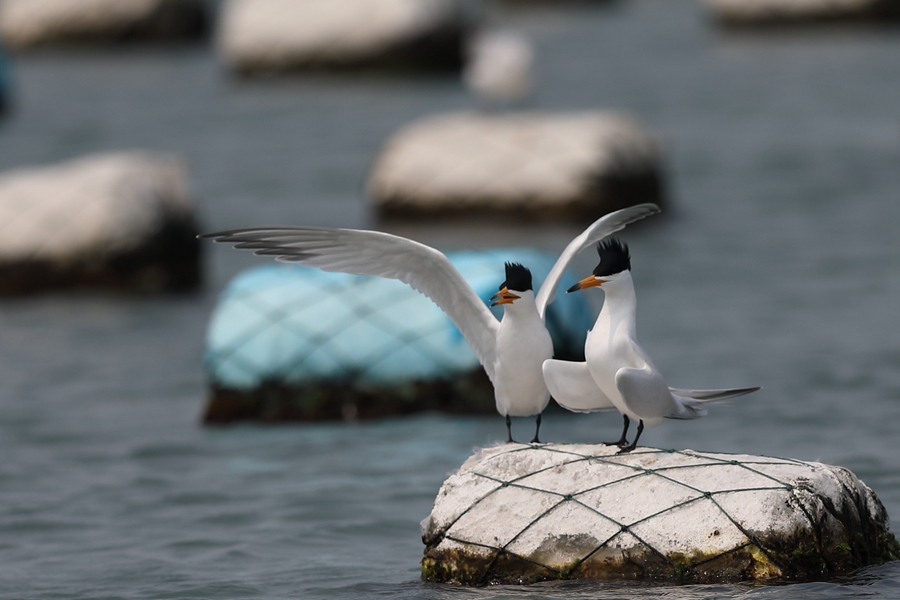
(294, 324)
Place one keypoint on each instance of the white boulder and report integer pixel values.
(280, 35)
(549, 165)
(27, 23)
(121, 220)
(522, 513)
(764, 12)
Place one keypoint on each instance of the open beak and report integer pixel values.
(589, 281)
(504, 296)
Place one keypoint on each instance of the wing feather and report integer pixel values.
(383, 255)
(645, 394)
(573, 388)
(599, 229)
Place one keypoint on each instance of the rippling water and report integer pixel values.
(777, 265)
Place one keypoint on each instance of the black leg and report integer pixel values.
(537, 430)
(633, 444)
(622, 440)
(509, 430)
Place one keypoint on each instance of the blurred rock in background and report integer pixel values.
(121, 221)
(741, 13)
(528, 165)
(272, 36)
(26, 24)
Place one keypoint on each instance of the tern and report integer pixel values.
(511, 350)
(617, 372)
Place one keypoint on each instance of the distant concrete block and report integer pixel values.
(265, 36)
(500, 67)
(740, 13)
(118, 221)
(519, 514)
(28, 23)
(524, 164)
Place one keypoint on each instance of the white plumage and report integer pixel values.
(511, 351)
(617, 373)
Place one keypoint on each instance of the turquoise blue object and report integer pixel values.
(295, 324)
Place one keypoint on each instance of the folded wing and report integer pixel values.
(573, 388)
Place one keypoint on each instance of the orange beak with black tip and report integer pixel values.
(589, 281)
(504, 296)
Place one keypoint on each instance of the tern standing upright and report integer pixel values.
(617, 372)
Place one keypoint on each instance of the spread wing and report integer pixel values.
(573, 388)
(375, 253)
(599, 229)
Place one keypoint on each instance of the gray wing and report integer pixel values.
(599, 229)
(645, 394)
(573, 388)
(383, 255)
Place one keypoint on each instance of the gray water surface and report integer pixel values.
(777, 264)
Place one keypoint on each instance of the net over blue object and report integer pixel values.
(295, 325)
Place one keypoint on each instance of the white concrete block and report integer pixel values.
(280, 35)
(519, 513)
(64, 222)
(27, 23)
(517, 163)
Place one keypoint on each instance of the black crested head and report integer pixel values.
(518, 278)
(614, 257)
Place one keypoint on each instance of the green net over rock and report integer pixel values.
(523, 513)
(292, 343)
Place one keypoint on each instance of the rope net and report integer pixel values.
(533, 512)
(328, 344)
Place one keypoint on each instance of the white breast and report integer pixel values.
(523, 344)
